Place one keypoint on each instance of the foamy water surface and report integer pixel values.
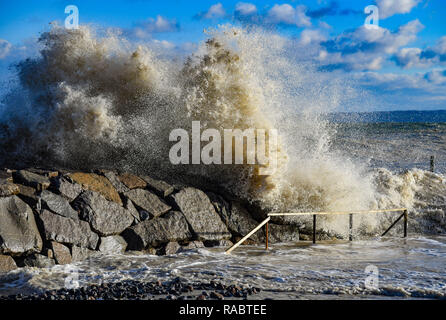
(412, 267)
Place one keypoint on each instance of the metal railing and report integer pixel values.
(315, 214)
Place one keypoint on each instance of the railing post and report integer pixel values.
(350, 234)
(266, 238)
(405, 223)
(314, 228)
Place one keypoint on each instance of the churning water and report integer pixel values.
(95, 100)
(412, 267)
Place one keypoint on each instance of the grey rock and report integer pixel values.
(170, 227)
(7, 264)
(31, 179)
(61, 253)
(18, 229)
(6, 175)
(192, 245)
(148, 201)
(283, 233)
(112, 245)
(29, 195)
(219, 243)
(128, 204)
(105, 217)
(38, 261)
(58, 204)
(80, 253)
(67, 189)
(161, 188)
(8, 189)
(42, 172)
(220, 204)
(201, 215)
(66, 230)
(119, 186)
(172, 248)
(240, 223)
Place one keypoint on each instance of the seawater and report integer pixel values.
(93, 99)
(407, 268)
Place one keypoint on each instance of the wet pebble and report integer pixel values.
(136, 290)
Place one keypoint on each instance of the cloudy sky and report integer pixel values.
(401, 62)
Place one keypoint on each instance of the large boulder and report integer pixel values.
(18, 229)
(43, 172)
(283, 233)
(8, 189)
(161, 188)
(66, 188)
(66, 230)
(193, 245)
(80, 253)
(236, 217)
(201, 215)
(131, 181)
(170, 227)
(7, 263)
(6, 175)
(97, 183)
(112, 245)
(133, 211)
(148, 201)
(31, 179)
(29, 195)
(61, 253)
(171, 248)
(57, 204)
(105, 217)
(240, 222)
(113, 178)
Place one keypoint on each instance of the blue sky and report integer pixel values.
(402, 63)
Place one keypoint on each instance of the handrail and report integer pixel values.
(333, 212)
(248, 235)
(314, 214)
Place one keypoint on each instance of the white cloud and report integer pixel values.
(287, 14)
(410, 57)
(5, 48)
(367, 48)
(416, 57)
(245, 9)
(436, 76)
(216, 11)
(389, 8)
(164, 44)
(308, 36)
(324, 25)
(160, 24)
(440, 47)
(146, 28)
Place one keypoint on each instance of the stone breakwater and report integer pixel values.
(50, 217)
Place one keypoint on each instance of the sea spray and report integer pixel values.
(92, 101)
